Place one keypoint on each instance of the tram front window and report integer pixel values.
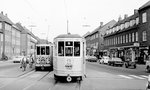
(38, 50)
(76, 48)
(47, 50)
(42, 50)
(61, 48)
(68, 51)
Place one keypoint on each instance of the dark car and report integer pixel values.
(115, 62)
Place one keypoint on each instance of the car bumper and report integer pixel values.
(16, 61)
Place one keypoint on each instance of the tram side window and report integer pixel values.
(42, 50)
(47, 50)
(76, 48)
(61, 48)
(38, 50)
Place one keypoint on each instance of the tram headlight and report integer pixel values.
(38, 60)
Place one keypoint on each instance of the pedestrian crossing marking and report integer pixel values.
(144, 76)
(125, 76)
(134, 76)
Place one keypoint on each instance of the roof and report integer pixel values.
(145, 5)
(20, 27)
(109, 24)
(69, 36)
(5, 18)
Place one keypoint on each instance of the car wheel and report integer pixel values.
(126, 65)
(134, 66)
(147, 69)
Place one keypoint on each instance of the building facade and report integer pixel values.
(94, 40)
(10, 38)
(28, 40)
(130, 38)
(14, 39)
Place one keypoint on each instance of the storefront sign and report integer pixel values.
(136, 44)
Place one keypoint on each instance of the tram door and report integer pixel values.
(84, 54)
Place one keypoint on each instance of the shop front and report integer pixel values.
(125, 52)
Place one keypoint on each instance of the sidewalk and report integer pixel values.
(6, 61)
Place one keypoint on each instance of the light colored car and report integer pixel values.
(17, 59)
(91, 59)
(104, 60)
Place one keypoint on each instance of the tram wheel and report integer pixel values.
(69, 79)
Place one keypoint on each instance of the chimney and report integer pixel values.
(125, 16)
(135, 11)
(119, 19)
(6, 14)
(101, 24)
(2, 12)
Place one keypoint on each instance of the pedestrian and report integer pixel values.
(31, 61)
(23, 63)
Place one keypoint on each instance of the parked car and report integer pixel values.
(104, 60)
(17, 59)
(147, 66)
(115, 62)
(91, 59)
(129, 63)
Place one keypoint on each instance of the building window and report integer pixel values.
(118, 40)
(122, 26)
(132, 37)
(0, 25)
(131, 23)
(144, 36)
(137, 20)
(129, 37)
(126, 38)
(123, 38)
(144, 17)
(126, 25)
(136, 36)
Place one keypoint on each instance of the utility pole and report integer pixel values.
(31, 26)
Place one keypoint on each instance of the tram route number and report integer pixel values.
(68, 65)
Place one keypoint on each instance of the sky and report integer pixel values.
(48, 18)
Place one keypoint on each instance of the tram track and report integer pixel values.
(74, 85)
(32, 76)
(26, 88)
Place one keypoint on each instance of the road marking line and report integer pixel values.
(144, 76)
(125, 76)
(136, 76)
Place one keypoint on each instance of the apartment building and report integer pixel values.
(130, 37)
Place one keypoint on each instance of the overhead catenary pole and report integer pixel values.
(67, 27)
(66, 11)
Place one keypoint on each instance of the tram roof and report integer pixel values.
(69, 36)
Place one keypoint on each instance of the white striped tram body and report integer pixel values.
(69, 56)
(44, 56)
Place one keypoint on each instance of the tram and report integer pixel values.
(44, 56)
(69, 57)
